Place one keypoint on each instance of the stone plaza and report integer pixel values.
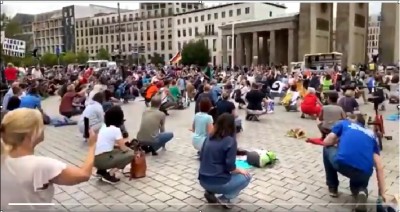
(296, 182)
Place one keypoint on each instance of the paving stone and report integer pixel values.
(298, 176)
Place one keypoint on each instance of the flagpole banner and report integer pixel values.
(14, 47)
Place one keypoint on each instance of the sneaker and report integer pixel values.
(361, 201)
(224, 202)
(302, 116)
(109, 179)
(210, 197)
(333, 192)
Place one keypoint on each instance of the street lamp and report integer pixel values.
(119, 32)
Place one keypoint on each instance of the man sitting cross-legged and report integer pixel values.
(152, 127)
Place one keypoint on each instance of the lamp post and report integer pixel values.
(119, 33)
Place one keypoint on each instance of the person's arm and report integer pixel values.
(210, 125)
(332, 138)
(162, 124)
(230, 159)
(73, 175)
(321, 115)
(355, 104)
(380, 176)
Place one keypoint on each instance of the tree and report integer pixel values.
(195, 53)
(12, 28)
(29, 61)
(49, 59)
(68, 58)
(82, 57)
(103, 54)
(157, 59)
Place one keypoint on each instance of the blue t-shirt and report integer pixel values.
(201, 122)
(30, 101)
(357, 145)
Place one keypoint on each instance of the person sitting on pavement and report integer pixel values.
(94, 112)
(218, 173)
(111, 151)
(152, 90)
(67, 106)
(9, 94)
(13, 104)
(174, 91)
(255, 99)
(202, 124)
(290, 101)
(205, 93)
(348, 102)
(31, 100)
(34, 176)
(310, 105)
(330, 114)
(215, 91)
(152, 127)
(352, 150)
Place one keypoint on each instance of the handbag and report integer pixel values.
(138, 164)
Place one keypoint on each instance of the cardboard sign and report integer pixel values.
(13, 47)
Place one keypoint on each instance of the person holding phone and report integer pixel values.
(111, 152)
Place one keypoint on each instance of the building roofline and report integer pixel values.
(226, 5)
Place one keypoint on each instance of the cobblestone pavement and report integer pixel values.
(296, 182)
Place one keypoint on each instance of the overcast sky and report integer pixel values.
(35, 7)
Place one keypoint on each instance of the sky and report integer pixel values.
(10, 8)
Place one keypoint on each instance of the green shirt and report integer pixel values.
(174, 90)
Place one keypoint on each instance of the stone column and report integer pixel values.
(247, 48)
(239, 50)
(255, 48)
(291, 53)
(224, 50)
(272, 47)
(265, 50)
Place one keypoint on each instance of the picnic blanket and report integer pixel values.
(242, 164)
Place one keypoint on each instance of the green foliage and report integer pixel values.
(103, 54)
(12, 28)
(157, 59)
(82, 57)
(29, 61)
(68, 58)
(195, 52)
(49, 59)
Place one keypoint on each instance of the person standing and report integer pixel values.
(11, 73)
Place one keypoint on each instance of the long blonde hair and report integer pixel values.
(16, 125)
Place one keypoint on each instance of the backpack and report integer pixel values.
(287, 99)
(260, 158)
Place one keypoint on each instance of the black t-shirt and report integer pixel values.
(255, 98)
(225, 106)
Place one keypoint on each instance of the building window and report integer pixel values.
(162, 46)
(179, 33)
(209, 17)
(190, 32)
(184, 21)
(270, 13)
(247, 10)
(238, 12)
(214, 45)
(184, 33)
(190, 20)
(215, 16)
(230, 13)
(223, 14)
(169, 45)
(196, 19)
(202, 18)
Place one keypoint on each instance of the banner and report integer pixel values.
(13, 47)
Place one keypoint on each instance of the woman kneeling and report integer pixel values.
(111, 151)
(218, 173)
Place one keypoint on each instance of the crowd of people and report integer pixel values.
(98, 94)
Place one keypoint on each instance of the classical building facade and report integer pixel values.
(374, 28)
(389, 31)
(288, 38)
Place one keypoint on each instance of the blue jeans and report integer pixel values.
(231, 189)
(358, 179)
(162, 139)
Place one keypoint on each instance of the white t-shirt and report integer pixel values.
(106, 139)
(295, 97)
(277, 87)
(27, 180)
(244, 90)
(251, 79)
(37, 74)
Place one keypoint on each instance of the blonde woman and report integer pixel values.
(28, 178)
